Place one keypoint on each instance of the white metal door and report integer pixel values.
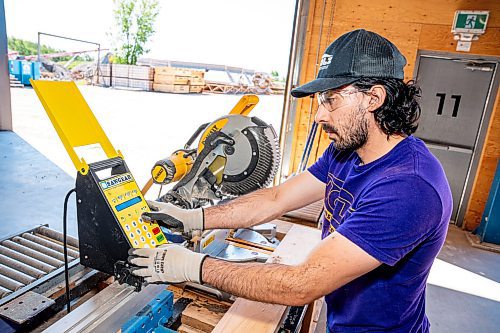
(454, 95)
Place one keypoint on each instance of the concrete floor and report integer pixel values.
(32, 188)
(35, 174)
(463, 293)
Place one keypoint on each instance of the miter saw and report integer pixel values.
(236, 154)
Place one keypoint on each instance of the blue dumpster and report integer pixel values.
(24, 70)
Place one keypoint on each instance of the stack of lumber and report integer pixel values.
(178, 80)
(127, 76)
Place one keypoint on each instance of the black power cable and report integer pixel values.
(65, 246)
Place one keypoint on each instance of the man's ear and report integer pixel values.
(377, 96)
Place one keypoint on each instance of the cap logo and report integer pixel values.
(325, 61)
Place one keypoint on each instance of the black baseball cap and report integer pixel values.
(354, 55)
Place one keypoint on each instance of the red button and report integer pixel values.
(156, 230)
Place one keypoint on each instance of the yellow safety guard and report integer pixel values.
(73, 120)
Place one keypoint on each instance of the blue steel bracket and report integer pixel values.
(153, 316)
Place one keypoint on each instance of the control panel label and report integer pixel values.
(128, 204)
(115, 181)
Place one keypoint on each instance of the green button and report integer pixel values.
(160, 237)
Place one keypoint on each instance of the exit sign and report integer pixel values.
(470, 21)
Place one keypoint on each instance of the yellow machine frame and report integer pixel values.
(73, 120)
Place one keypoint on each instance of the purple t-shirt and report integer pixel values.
(396, 209)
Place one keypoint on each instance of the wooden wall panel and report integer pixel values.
(417, 11)
(318, 38)
(412, 26)
(485, 172)
(438, 38)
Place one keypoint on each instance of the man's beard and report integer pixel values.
(354, 134)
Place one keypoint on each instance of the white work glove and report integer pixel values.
(175, 217)
(169, 263)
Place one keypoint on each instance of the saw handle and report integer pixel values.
(195, 135)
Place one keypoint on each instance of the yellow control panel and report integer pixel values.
(128, 204)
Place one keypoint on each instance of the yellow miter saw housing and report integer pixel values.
(236, 154)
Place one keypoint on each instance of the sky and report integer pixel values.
(251, 34)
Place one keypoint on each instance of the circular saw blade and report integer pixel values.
(254, 162)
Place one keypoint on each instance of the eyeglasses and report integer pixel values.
(333, 99)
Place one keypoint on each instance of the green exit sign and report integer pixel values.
(470, 21)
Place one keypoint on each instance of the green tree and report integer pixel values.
(135, 22)
(25, 47)
(276, 76)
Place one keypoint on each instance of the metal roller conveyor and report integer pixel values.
(40, 248)
(32, 253)
(50, 244)
(31, 264)
(4, 292)
(21, 267)
(45, 231)
(29, 256)
(10, 284)
(16, 275)
(26, 259)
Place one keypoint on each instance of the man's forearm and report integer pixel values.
(269, 283)
(246, 211)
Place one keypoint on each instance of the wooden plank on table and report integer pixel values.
(317, 306)
(188, 329)
(250, 316)
(202, 314)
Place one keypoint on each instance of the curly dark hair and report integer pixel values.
(400, 112)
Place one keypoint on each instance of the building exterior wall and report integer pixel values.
(5, 109)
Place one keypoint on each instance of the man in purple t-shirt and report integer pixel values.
(387, 204)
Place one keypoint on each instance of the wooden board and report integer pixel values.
(203, 313)
(173, 71)
(188, 329)
(171, 79)
(250, 316)
(172, 88)
(203, 317)
(196, 89)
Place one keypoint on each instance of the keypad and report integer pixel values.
(128, 204)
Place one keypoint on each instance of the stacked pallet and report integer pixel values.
(127, 76)
(178, 80)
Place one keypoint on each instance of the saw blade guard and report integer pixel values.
(255, 161)
(237, 154)
(251, 161)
